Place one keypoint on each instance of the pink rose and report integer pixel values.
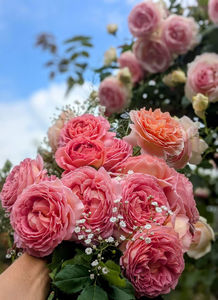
(213, 11)
(87, 125)
(26, 173)
(145, 18)
(97, 191)
(156, 133)
(117, 153)
(114, 95)
(203, 236)
(180, 33)
(43, 216)
(128, 59)
(153, 55)
(55, 130)
(180, 196)
(193, 146)
(153, 262)
(177, 188)
(182, 227)
(202, 77)
(142, 199)
(80, 152)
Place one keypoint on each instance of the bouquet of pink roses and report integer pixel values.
(113, 215)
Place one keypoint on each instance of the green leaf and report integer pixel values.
(93, 292)
(114, 274)
(78, 38)
(80, 258)
(82, 66)
(87, 44)
(72, 279)
(84, 53)
(126, 293)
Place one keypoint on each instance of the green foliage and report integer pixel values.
(72, 62)
(80, 258)
(113, 276)
(72, 279)
(93, 292)
(126, 293)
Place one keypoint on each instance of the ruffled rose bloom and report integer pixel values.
(128, 59)
(153, 55)
(203, 237)
(145, 18)
(87, 125)
(194, 146)
(80, 152)
(177, 188)
(26, 173)
(179, 33)
(43, 216)
(97, 191)
(156, 133)
(114, 95)
(202, 77)
(153, 263)
(181, 225)
(213, 11)
(117, 153)
(141, 202)
(55, 130)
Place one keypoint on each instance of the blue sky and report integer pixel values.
(21, 64)
(28, 99)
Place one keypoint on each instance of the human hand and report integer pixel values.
(26, 279)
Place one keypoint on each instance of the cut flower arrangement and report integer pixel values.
(115, 223)
(110, 204)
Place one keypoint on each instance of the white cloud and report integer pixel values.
(23, 124)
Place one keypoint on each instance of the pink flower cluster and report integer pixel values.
(160, 37)
(167, 36)
(87, 141)
(105, 193)
(43, 212)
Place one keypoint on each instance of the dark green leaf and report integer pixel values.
(113, 276)
(78, 38)
(126, 293)
(93, 292)
(82, 66)
(79, 259)
(87, 44)
(72, 279)
(74, 56)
